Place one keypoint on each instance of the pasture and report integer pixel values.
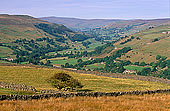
(37, 77)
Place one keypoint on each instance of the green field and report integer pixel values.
(5, 51)
(94, 66)
(135, 68)
(37, 77)
(64, 61)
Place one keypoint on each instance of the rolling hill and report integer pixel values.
(107, 29)
(23, 33)
(80, 24)
(147, 44)
(14, 27)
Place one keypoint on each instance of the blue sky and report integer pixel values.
(124, 9)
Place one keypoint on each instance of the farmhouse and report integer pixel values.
(129, 72)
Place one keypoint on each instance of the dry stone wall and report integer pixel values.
(79, 94)
(18, 87)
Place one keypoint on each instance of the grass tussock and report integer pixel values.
(158, 102)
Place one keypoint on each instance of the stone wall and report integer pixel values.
(18, 87)
(78, 94)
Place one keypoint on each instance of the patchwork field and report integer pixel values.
(158, 102)
(37, 77)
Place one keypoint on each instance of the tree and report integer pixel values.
(136, 63)
(64, 81)
(146, 71)
(167, 73)
(158, 57)
(142, 64)
(80, 60)
(41, 63)
(48, 62)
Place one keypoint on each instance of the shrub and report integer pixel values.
(64, 81)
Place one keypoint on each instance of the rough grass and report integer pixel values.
(157, 102)
(37, 77)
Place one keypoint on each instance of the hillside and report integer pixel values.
(37, 77)
(14, 27)
(147, 45)
(23, 35)
(107, 29)
(80, 24)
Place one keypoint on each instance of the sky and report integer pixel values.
(89, 9)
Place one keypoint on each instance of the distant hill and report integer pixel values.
(147, 44)
(14, 27)
(80, 24)
(23, 35)
(126, 27)
(107, 29)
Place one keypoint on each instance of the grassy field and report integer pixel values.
(37, 77)
(5, 51)
(64, 60)
(96, 65)
(136, 68)
(157, 102)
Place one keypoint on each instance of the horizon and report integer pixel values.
(96, 9)
(87, 18)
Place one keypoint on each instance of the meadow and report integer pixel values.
(157, 102)
(37, 77)
(96, 65)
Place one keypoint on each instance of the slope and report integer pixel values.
(25, 34)
(147, 44)
(14, 27)
(80, 24)
(37, 77)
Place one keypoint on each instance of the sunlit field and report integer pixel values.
(157, 102)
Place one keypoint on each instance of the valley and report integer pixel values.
(115, 56)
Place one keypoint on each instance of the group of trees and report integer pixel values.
(160, 68)
(32, 51)
(128, 40)
(85, 44)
